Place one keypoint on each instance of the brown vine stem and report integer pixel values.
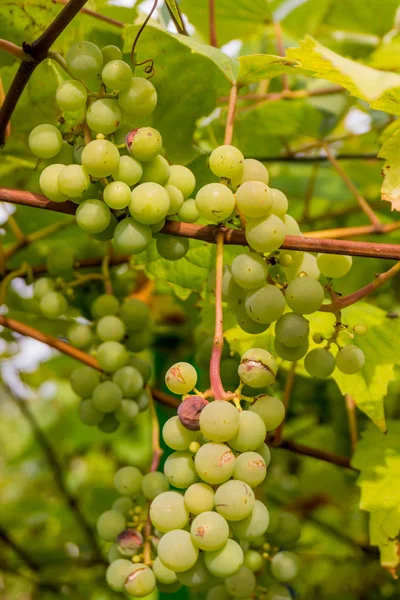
(341, 302)
(312, 242)
(350, 185)
(335, 459)
(215, 363)
(287, 392)
(2, 97)
(14, 50)
(212, 23)
(96, 15)
(37, 52)
(344, 232)
(351, 414)
(288, 94)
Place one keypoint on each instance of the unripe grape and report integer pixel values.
(107, 397)
(45, 141)
(73, 181)
(128, 379)
(215, 202)
(292, 329)
(105, 304)
(131, 236)
(89, 414)
(188, 212)
(110, 524)
(226, 561)
(144, 143)
(129, 170)
(334, 265)
(360, 329)
(249, 270)
(251, 432)
(182, 178)
(43, 285)
(104, 116)
(109, 424)
(84, 60)
(265, 304)
(257, 368)
(139, 99)
(172, 247)
(100, 158)
(117, 195)
(304, 295)
(117, 75)
(247, 324)
(226, 161)
(265, 234)
(110, 328)
(112, 356)
(279, 203)
(149, 203)
(175, 197)
(284, 566)
(79, 335)
(350, 360)
(254, 200)
(157, 227)
(48, 183)
(319, 363)
(270, 409)
(71, 95)
(253, 560)
(242, 584)
(111, 52)
(93, 216)
(53, 305)
(179, 469)
(285, 259)
(291, 353)
(181, 378)
(156, 170)
(253, 170)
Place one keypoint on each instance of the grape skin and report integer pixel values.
(110, 524)
(292, 330)
(188, 211)
(71, 95)
(257, 368)
(250, 467)
(175, 198)
(284, 566)
(45, 141)
(89, 414)
(251, 433)
(304, 295)
(133, 237)
(84, 380)
(105, 304)
(128, 481)
(117, 74)
(319, 363)
(181, 378)
(73, 181)
(141, 581)
(156, 170)
(172, 247)
(168, 511)
(154, 484)
(84, 60)
(177, 551)
(291, 353)
(226, 161)
(104, 116)
(107, 397)
(209, 531)
(112, 356)
(226, 561)
(179, 469)
(253, 199)
(144, 143)
(176, 436)
(215, 202)
(100, 158)
(234, 500)
(249, 271)
(219, 421)
(182, 178)
(48, 183)
(265, 304)
(265, 234)
(350, 360)
(254, 525)
(270, 409)
(162, 573)
(199, 498)
(129, 380)
(149, 203)
(139, 99)
(242, 584)
(79, 335)
(129, 171)
(253, 170)
(214, 463)
(334, 265)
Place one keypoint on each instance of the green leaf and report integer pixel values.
(173, 7)
(378, 458)
(390, 151)
(189, 76)
(256, 67)
(381, 90)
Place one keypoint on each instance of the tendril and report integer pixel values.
(149, 62)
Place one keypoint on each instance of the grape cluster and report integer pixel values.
(124, 186)
(120, 393)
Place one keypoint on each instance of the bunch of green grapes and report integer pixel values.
(118, 331)
(124, 186)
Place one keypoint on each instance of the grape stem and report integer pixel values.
(14, 50)
(351, 415)
(105, 270)
(230, 118)
(218, 343)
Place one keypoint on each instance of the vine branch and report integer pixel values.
(335, 459)
(14, 50)
(20, 552)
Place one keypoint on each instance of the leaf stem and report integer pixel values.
(14, 50)
(218, 343)
(212, 25)
(230, 119)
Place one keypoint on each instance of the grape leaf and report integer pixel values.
(378, 458)
(380, 89)
(391, 170)
(256, 67)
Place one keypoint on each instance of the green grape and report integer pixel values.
(71, 95)
(48, 182)
(253, 560)
(179, 469)
(107, 397)
(291, 354)
(234, 500)
(73, 181)
(360, 329)
(118, 572)
(154, 484)
(270, 409)
(215, 202)
(129, 171)
(307, 265)
(109, 424)
(84, 60)
(218, 592)
(132, 237)
(350, 360)
(135, 315)
(110, 524)
(104, 116)
(334, 265)
(181, 378)
(139, 99)
(60, 263)
(236, 297)
(100, 158)
(226, 279)
(45, 141)
(214, 463)
(229, 373)
(141, 365)
(113, 554)
(292, 330)
(304, 295)
(156, 170)
(117, 74)
(265, 452)
(219, 421)
(247, 323)
(108, 233)
(78, 149)
(141, 581)
(249, 270)
(209, 531)
(79, 335)
(188, 212)
(284, 566)
(254, 525)
(226, 161)
(176, 436)
(285, 259)
(84, 381)
(144, 143)
(149, 203)
(196, 576)
(156, 227)
(226, 561)
(140, 341)
(278, 592)
(285, 529)
(199, 498)
(117, 195)
(128, 411)
(265, 234)
(89, 414)
(182, 178)
(112, 356)
(177, 551)
(242, 584)
(250, 468)
(168, 511)
(175, 198)
(319, 363)
(129, 380)
(110, 328)
(53, 305)
(170, 588)
(253, 170)
(251, 433)
(162, 573)
(172, 247)
(280, 205)
(93, 216)
(254, 200)
(111, 52)
(266, 304)
(318, 338)
(128, 481)
(124, 505)
(105, 304)
(257, 368)
(43, 285)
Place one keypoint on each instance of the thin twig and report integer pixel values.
(230, 118)
(287, 392)
(288, 94)
(20, 552)
(215, 363)
(350, 185)
(212, 25)
(56, 469)
(344, 232)
(38, 235)
(95, 15)
(292, 446)
(14, 50)
(351, 414)
(298, 158)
